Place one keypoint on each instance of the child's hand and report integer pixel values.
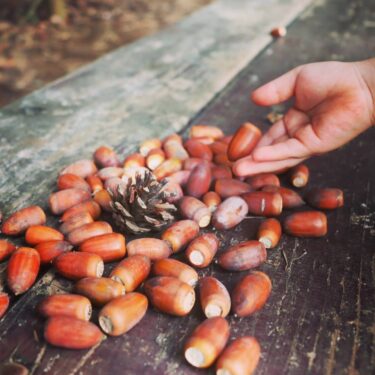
(334, 102)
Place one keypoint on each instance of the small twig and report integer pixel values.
(286, 260)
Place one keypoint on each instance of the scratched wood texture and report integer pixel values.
(320, 316)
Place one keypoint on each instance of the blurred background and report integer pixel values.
(42, 40)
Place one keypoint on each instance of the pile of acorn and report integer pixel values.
(201, 182)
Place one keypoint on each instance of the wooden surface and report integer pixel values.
(320, 317)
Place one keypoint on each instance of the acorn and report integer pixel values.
(325, 199)
(244, 141)
(194, 209)
(269, 233)
(291, 199)
(4, 303)
(174, 149)
(149, 144)
(152, 248)
(199, 181)
(106, 157)
(72, 181)
(205, 140)
(221, 171)
(110, 172)
(41, 233)
(89, 206)
(214, 297)
(168, 167)
(180, 233)
(75, 222)
(175, 268)
(228, 187)
(219, 147)
(206, 342)
(62, 200)
(212, 200)
(76, 265)
(104, 200)
(230, 213)
(155, 158)
(260, 180)
(122, 313)
(170, 295)
(99, 290)
(306, 224)
(240, 357)
(227, 139)
(191, 163)
(71, 333)
(264, 203)
(197, 149)
(50, 250)
(6, 248)
(299, 175)
(20, 220)
(179, 177)
(197, 131)
(134, 160)
(71, 305)
(23, 269)
(83, 233)
(222, 160)
(109, 246)
(95, 183)
(131, 271)
(174, 191)
(243, 256)
(13, 368)
(82, 168)
(251, 293)
(202, 250)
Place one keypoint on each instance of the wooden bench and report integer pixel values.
(320, 317)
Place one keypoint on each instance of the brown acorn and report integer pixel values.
(264, 203)
(299, 175)
(168, 167)
(154, 158)
(206, 342)
(149, 144)
(194, 209)
(175, 268)
(258, 181)
(191, 163)
(291, 199)
(89, 206)
(23, 269)
(170, 295)
(243, 256)
(13, 368)
(95, 183)
(6, 248)
(110, 172)
(214, 297)
(219, 147)
(152, 248)
(197, 149)
(41, 233)
(174, 149)
(82, 168)
(212, 200)
(180, 233)
(222, 160)
(134, 160)
(220, 171)
(228, 187)
(109, 246)
(244, 141)
(122, 313)
(103, 199)
(106, 157)
(325, 199)
(83, 233)
(99, 290)
(131, 271)
(214, 132)
(230, 213)
(71, 333)
(205, 140)
(202, 250)
(19, 221)
(75, 222)
(174, 192)
(227, 139)
(251, 293)
(269, 233)
(71, 305)
(199, 181)
(50, 250)
(240, 357)
(306, 224)
(62, 200)
(4, 303)
(179, 177)
(76, 265)
(72, 181)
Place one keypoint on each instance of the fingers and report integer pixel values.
(291, 148)
(278, 90)
(248, 167)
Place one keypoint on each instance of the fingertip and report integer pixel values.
(241, 167)
(257, 97)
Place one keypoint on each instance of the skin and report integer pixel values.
(333, 103)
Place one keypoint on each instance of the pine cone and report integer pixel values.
(140, 205)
